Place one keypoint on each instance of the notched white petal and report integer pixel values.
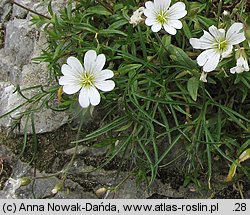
(205, 42)
(84, 97)
(67, 70)
(89, 60)
(105, 86)
(149, 13)
(150, 22)
(75, 64)
(169, 29)
(235, 34)
(218, 34)
(104, 74)
(70, 80)
(71, 89)
(99, 63)
(149, 5)
(177, 11)
(175, 23)
(156, 27)
(94, 96)
(209, 59)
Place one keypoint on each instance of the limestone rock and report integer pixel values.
(22, 43)
(19, 41)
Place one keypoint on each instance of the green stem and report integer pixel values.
(65, 171)
(30, 10)
(105, 5)
(219, 12)
(158, 37)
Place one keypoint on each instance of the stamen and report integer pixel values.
(87, 79)
(162, 17)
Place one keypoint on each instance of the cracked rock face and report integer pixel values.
(19, 43)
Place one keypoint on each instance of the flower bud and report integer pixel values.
(57, 188)
(24, 181)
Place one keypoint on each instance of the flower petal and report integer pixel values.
(149, 13)
(242, 62)
(99, 63)
(169, 29)
(105, 85)
(175, 23)
(94, 96)
(162, 5)
(104, 74)
(149, 21)
(149, 5)
(75, 64)
(235, 34)
(218, 34)
(209, 59)
(69, 80)
(237, 69)
(205, 42)
(67, 70)
(84, 97)
(71, 89)
(89, 95)
(227, 53)
(89, 60)
(177, 11)
(156, 27)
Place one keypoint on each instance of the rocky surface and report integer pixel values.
(20, 42)
(87, 179)
(80, 183)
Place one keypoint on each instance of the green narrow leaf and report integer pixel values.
(129, 67)
(118, 24)
(125, 127)
(112, 32)
(207, 22)
(193, 86)
(100, 10)
(182, 58)
(186, 29)
(50, 8)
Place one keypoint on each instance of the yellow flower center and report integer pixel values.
(87, 79)
(221, 45)
(162, 17)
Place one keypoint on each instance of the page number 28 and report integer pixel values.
(240, 207)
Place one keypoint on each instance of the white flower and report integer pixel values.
(218, 43)
(242, 64)
(159, 15)
(87, 78)
(136, 18)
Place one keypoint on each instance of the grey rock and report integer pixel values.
(8, 71)
(128, 188)
(22, 43)
(19, 41)
(21, 13)
(41, 187)
(5, 10)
